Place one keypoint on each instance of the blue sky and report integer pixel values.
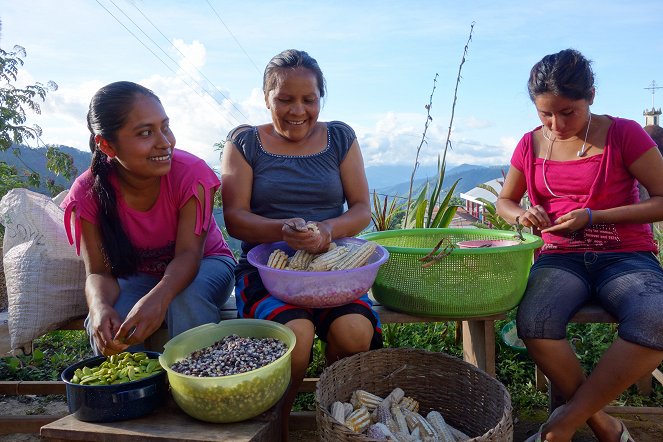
(379, 59)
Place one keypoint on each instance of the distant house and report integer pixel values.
(473, 206)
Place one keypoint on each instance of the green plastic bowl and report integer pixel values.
(509, 335)
(468, 282)
(231, 398)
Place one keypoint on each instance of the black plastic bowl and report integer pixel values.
(108, 403)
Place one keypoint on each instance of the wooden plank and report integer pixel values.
(20, 388)
(479, 345)
(25, 424)
(658, 375)
(166, 424)
(592, 313)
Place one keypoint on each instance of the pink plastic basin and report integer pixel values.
(317, 289)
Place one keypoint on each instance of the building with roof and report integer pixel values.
(474, 206)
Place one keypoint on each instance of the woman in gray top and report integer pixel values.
(291, 171)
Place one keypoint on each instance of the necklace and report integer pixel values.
(583, 150)
(581, 153)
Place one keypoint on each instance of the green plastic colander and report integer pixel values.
(468, 282)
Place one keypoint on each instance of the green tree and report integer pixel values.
(15, 102)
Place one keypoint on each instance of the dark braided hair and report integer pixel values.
(107, 113)
(291, 59)
(567, 74)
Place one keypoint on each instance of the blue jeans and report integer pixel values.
(199, 303)
(627, 285)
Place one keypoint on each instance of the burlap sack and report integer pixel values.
(45, 278)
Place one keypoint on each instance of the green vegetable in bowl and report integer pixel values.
(118, 369)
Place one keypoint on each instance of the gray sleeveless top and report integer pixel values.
(286, 186)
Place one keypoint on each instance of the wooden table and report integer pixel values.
(167, 423)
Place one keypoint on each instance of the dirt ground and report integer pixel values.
(643, 427)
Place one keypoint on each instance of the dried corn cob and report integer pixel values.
(313, 227)
(326, 261)
(358, 420)
(338, 411)
(357, 258)
(398, 416)
(364, 398)
(278, 259)
(348, 408)
(392, 398)
(380, 431)
(300, 260)
(409, 403)
(415, 420)
(440, 426)
(332, 246)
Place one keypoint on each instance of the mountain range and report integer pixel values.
(393, 180)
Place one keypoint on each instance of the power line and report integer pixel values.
(233, 36)
(160, 59)
(185, 57)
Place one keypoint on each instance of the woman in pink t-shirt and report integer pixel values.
(581, 172)
(142, 219)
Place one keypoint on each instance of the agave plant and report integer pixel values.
(385, 212)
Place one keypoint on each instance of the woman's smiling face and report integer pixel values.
(144, 144)
(294, 103)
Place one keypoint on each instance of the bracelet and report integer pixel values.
(589, 212)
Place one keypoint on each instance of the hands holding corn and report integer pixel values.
(311, 236)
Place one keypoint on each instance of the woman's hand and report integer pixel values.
(104, 322)
(143, 320)
(314, 237)
(535, 216)
(572, 221)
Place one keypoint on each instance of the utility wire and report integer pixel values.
(185, 57)
(161, 60)
(234, 38)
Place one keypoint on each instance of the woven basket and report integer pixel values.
(469, 399)
(468, 282)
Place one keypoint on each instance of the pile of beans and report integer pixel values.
(231, 355)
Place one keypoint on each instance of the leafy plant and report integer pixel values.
(494, 220)
(14, 104)
(385, 213)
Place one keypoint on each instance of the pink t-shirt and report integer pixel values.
(153, 233)
(597, 182)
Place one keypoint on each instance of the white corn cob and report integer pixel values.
(409, 403)
(338, 411)
(398, 416)
(440, 426)
(313, 227)
(300, 260)
(278, 259)
(348, 408)
(326, 261)
(415, 420)
(416, 434)
(357, 258)
(392, 398)
(332, 246)
(358, 420)
(364, 398)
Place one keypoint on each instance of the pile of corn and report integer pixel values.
(336, 258)
(394, 418)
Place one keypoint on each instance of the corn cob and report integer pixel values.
(332, 246)
(409, 403)
(440, 426)
(415, 420)
(326, 261)
(380, 431)
(313, 227)
(416, 434)
(392, 398)
(338, 411)
(358, 258)
(348, 408)
(358, 420)
(398, 416)
(364, 398)
(300, 260)
(278, 259)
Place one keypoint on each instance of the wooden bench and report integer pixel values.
(478, 342)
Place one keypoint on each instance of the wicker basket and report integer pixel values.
(468, 398)
(469, 282)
